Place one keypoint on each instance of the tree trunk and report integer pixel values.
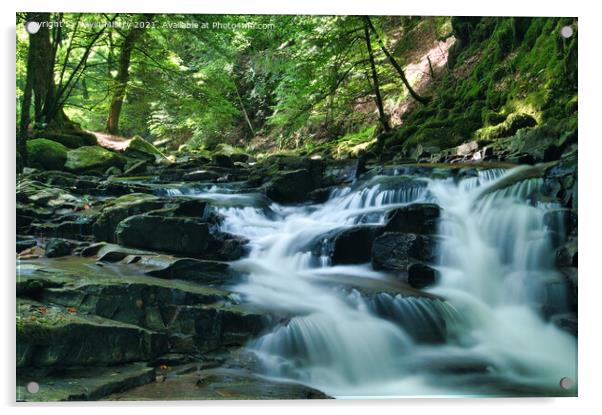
(39, 83)
(244, 111)
(393, 62)
(121, 80)
(375, 84)
(40, 68)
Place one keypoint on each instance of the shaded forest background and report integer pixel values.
(338, 86)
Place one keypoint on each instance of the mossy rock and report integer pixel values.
(93, 158)
(49, 335)
(71, 140)
(46, 154)
(140, 148)
(441, 137)
(513, 123)
(120, 209)
(492, 117)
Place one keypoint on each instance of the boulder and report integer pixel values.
(239, 157)
(290, 187)
(222, 160)
(418, 218)
(138, 147)
(93, 159)
(178, 235)
(71, 140)
(421, 276)
(351, 246)
(191, 207)
(46, 154)
(395, 251)
(320, 195)
(59, 247)
(120, 209)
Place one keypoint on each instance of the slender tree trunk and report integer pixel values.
(121, 80)
(394, 63)
(375, 84)
(244, 111)
(431, 71)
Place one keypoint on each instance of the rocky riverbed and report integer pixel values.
(127, 284)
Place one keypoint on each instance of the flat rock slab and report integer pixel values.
(217, 384)
(49, 335)
(82, 384)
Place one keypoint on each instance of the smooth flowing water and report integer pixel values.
(487, 337)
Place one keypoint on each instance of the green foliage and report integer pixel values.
(507, 74)
(301, 82)
(46, 154)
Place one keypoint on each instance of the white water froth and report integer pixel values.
(496, 265)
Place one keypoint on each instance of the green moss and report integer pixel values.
(510, 126)
(70, 140)
(491, 117)
(93, 158)
(46, 154)
(131, 198)
(139, 147)
(506, 74)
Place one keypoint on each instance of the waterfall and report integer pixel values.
(482, 331)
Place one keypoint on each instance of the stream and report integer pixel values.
(495, 261)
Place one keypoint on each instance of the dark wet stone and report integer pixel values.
(222, 160)
(81, 383)
(397, 251)
(59, 247)
(320, 195)
(217, 384)
(179, 235)
(55, 336)
(354, 245)
(24, 244)
(290, 187)
(120, 209)
(198, 271)
(418, 218)
(421, 275)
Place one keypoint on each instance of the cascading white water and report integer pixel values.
(495, 262)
